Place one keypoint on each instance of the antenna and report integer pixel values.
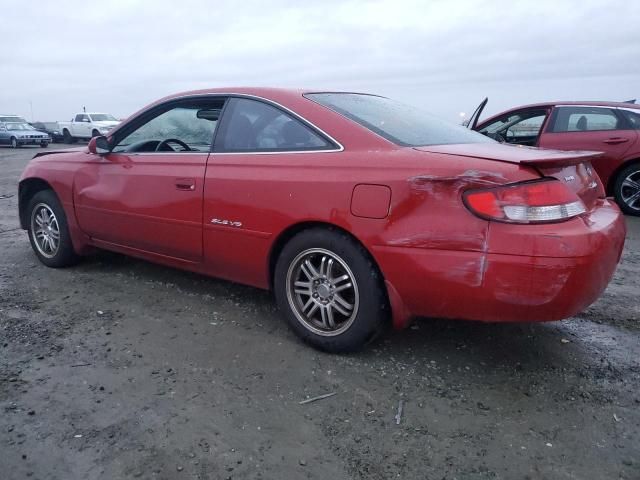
(84, 109)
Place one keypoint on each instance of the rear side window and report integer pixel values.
(584, 119)
(398, 123)
(633, 118)
(254, 126)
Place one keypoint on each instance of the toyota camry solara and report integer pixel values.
(356, 210)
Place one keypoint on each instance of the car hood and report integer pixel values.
(514, 153)
(27, 132)
(53, 154)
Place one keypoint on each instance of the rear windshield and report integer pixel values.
(399, 123)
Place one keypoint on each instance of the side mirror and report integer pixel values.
(99, 145)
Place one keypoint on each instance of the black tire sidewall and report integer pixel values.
(617, 188)
(13, 142)
(65, 255)
(373, 310)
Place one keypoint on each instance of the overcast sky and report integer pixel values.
(443, 56)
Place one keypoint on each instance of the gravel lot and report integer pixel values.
(118, 368)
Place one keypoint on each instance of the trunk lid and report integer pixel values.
(570, 167)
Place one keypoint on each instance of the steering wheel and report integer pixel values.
(165, 143)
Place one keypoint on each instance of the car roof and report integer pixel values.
(269, 93)
(590, 103)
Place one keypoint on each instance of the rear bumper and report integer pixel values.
(524, 273)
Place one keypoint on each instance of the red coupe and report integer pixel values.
(608, 127)
(356, 210)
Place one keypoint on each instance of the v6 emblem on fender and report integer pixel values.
(229, 223)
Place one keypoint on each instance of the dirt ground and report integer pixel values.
(118, 368)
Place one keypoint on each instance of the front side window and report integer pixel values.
(584, 119)
(522, 128)
(398, 123)
(183, 128)
(255, 126)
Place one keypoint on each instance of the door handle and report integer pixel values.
(187, 184)
(614, 140)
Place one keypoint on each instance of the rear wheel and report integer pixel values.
(330, 290)
(48, 231)
(626, 189)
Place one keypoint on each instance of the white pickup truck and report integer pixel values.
(87, 125)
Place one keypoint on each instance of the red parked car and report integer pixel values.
(356, 210)
(609, 127)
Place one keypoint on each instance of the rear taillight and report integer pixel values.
(529, 202)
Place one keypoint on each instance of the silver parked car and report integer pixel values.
(17, 134)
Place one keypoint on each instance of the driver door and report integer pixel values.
(520, 128)
(146, 195)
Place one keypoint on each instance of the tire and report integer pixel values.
(626, 189)
(343, 275)
(53, 253)
(14, 142)
(67, 137)
(44, 144)
(95, 133)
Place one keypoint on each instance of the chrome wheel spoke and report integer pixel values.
(330, 321)
(323, 314)
(313, 309)
(323, 265)
(311, 268)
(306, 271)
(307, 305)
(342, 287)
(632, 199)
(342, 278)
(631, 184)
(341, 305)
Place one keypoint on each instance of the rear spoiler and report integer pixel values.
(562, 159)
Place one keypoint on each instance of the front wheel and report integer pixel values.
(67, 137)
(626, 189)
(14, 142)
(44, 144)
(330, 290)
(48, 231)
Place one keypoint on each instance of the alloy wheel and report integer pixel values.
(45, 230)
(630, 190)
(322, 292)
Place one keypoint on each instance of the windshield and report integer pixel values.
(19, 126)
(102, 117)
(399, 123)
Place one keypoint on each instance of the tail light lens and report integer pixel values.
(529, 202)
